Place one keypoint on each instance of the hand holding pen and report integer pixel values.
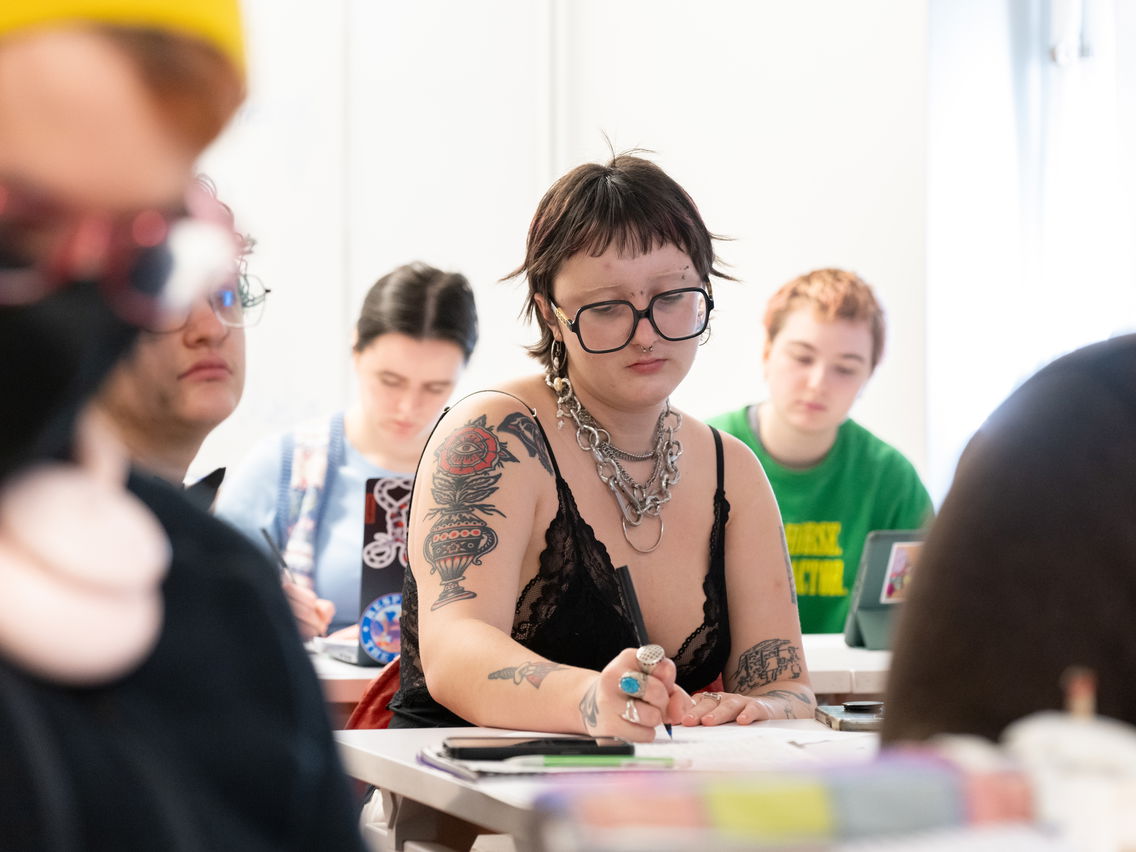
(313, 614)
(630, 702)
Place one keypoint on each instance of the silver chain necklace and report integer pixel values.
(635, 501)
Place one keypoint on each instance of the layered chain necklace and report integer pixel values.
(636, 501)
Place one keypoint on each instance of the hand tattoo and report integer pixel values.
(764, 663)
(534, 673)
(786, 694)
(589, 707)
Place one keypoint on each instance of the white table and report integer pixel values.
(431, 806)
(343, 683)
(835, 669)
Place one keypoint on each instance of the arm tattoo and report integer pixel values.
(525, 428)
(464, 478)
(788, 566)
(764, 663)
(534, 673)
(589, 708)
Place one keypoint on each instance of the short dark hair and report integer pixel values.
(422, 302)
(630, 202)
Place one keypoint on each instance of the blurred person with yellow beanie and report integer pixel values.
(153, 690)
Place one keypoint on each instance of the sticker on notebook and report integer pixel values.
(897, 580)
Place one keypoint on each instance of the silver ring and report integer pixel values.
(717, 696)
(649, 656)
(630, 712)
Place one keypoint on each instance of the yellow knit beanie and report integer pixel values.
(217, 22)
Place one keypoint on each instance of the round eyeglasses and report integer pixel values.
(609, 326)
(237, 304)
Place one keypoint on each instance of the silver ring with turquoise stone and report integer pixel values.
(633, 684)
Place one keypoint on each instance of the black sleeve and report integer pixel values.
(218, 740)
(247, 703)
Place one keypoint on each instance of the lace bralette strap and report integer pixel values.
(719, 458)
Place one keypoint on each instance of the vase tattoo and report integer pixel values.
(466, 474)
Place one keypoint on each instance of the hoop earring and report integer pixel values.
(705, 335)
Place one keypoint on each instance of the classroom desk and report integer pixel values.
(835, 669)
(342, 682)
(430, 806)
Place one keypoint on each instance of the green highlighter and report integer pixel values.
(567, 761)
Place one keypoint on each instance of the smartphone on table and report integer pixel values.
(852, 715)
(501, 748)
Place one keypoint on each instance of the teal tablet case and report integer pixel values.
(870, 621)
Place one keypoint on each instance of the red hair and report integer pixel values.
(832, 294)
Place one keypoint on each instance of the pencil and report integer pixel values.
(631, 603)
(285, 571)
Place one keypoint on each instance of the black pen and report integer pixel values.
(285, 571)
(631, 602)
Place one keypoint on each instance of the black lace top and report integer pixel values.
(572, 611)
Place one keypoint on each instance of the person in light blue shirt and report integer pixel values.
(415, 334)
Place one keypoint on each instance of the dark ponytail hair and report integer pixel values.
(422, 302)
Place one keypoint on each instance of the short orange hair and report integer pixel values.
(832, 294)
(192, 83)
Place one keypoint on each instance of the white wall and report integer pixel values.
(1030, 202)
(798, 128)
(281, 167)
(379, 132)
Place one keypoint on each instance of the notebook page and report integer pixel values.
(758, 746)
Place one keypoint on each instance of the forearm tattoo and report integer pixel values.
(589, 707)
(788, 566)
(534, 673)
(527, 432)
(766, 662)
(465, 477)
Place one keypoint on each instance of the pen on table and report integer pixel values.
(285, 571)
(623, 761)
(438, 761)
(631, 601)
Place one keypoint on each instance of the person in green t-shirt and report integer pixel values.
(834, 480)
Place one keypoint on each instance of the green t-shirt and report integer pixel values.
(863, 484)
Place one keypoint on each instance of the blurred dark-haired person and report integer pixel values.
(415, 333)
(1030, 568)
(127, 721)
(834, 480)
(184, 376)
